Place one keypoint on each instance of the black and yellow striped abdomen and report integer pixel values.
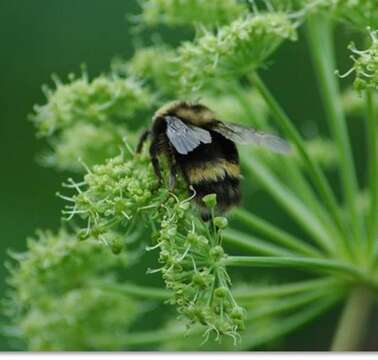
(213, 168)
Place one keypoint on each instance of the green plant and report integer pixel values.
(81, 281)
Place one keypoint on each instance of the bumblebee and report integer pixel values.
(203, 149)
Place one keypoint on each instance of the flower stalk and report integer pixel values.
(287, 126)
(319, 31)
(353, 322)
(372, 127)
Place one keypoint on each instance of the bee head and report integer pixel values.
(193, 113)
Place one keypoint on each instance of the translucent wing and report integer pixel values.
(184, 137)
(245, 135)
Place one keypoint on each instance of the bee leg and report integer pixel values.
(143, 137)
(155, 161)
(172, 169)
(172, 179)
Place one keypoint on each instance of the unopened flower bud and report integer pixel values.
(220, 222)
(210, 200)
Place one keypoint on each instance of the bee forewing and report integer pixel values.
(245, 135)
(274, 143)
(185, 138)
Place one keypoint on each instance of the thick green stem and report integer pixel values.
(373, 166)
(323, 54)
(353, 322)
(291, 132)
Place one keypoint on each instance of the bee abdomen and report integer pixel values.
(227, 191)
(221, 178)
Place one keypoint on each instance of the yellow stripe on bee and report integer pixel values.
(202, 117)
(213, 171)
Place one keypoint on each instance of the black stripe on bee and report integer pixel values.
(227, 191)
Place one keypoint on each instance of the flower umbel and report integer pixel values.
(99, 110)
(192, 255)
(365, 65)
(57, 299)
(112, 200)
(233, 50)
(114, 197)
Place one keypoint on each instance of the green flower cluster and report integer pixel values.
(189, 12)
(154, 65)
(88, 119)
(113, 198)
(234, 50)
(361, 13)
(365, 66)
(191, 255)
(86, 142)
(57, 301)
(120, 198)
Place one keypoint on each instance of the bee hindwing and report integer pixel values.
(184, 137)
(245, 135)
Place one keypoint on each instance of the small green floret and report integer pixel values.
(220, 222)
(234, 50)
(210, 200)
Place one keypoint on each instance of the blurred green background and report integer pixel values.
(42, 37)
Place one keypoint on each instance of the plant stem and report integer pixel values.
(282, 290)
(280, 305)
(276, 234)
(373, 166)
(312, 264)
(305, 191)
(287, 126)
(289, 201)
(353, 321)
(323, 54)
(287, 325)
(253, 245)
(136, 290)
(240, 96)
